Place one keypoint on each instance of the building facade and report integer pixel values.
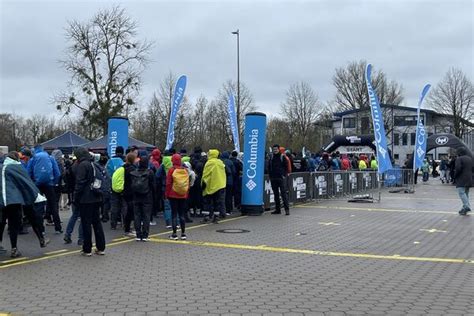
(400, 128)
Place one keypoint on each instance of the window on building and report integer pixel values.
(407, 120)
(365, 125)
(404, 139)
(396, 139)
(396, 156)
(349, 122)
(413, 138)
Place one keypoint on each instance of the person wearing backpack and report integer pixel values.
(122, 184)
(177, 191)
(142, 185)
(87, 198)
(44, 171)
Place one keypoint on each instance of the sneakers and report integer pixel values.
(138, 239)
(48, 223)
(99, 252)
(464, 211)
(146, 239)
(275, 212)
(86, 254)
(169, 226)
(152, 223)
(67, 240)
(15, 253)
(183, 237)
(44, 242)
(173, 237)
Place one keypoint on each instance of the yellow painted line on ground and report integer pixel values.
(14, 260)
(369, 209)
(54, 254)
(120, 238)
(311, 252)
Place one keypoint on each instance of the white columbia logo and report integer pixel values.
(251, 185)
(420, 152)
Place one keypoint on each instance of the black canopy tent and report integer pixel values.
(65, 142)
(100, 144)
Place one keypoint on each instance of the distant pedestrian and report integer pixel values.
(278, 168)
(177, 191)
(143, 190)
(88, 201)
(463, 178)
(425, 170)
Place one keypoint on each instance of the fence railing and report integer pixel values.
(307, 186)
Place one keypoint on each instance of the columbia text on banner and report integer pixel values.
(177, 98)
(383, 157)
(420, 149)
(117, 134)
(254, 163)
(233, 122)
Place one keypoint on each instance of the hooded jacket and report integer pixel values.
(229, 168)
(213, 175)
(16, 187)
(155, 159)
(463, 169)
(43, 169)
(169, 193)
(84, 176)
(57, 154)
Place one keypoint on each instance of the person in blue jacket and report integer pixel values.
(43, 170)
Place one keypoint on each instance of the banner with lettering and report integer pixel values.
(233, 122)
(420, 146)
(177, 98)
(383, 157)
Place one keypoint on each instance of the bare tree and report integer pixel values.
(105, 61)
(351, 88)
(454, 95)
(300, 110)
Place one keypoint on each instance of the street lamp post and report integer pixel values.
(238, 79)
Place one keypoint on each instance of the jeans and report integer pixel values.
(279, 187)
(90, 217)
(72, 222)
(142, 210)
(464, 195)
(178, 208)
(167, 212)
(426, 176)
(48, 192)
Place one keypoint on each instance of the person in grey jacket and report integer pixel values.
(88, 202)
(463, 178)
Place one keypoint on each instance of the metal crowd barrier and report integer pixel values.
(309, 186)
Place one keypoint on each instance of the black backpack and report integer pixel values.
(140, 181)
(98, 184)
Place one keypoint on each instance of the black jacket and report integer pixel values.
(83, 177)
(463, 169)
(277, 167)
(127, 186)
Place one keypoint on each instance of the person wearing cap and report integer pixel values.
(278, 169)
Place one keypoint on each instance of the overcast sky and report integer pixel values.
(281, 42)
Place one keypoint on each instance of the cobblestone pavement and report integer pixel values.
(411, 254)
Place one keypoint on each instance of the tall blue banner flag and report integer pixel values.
(177, 98)
(233, 122)
(117, 134)
(254, 163)
(420, 147)
(383, 158)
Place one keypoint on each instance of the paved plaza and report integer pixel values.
(410, 254)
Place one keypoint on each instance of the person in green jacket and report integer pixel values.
(373, 163)
(213, 184)
(425, 169)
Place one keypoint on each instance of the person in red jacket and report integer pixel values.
(346, 164)
(177, 191)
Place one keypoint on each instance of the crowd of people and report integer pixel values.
(128, 190)
(133, 187)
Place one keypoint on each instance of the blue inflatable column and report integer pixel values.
(117, 134)
(254, 163)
